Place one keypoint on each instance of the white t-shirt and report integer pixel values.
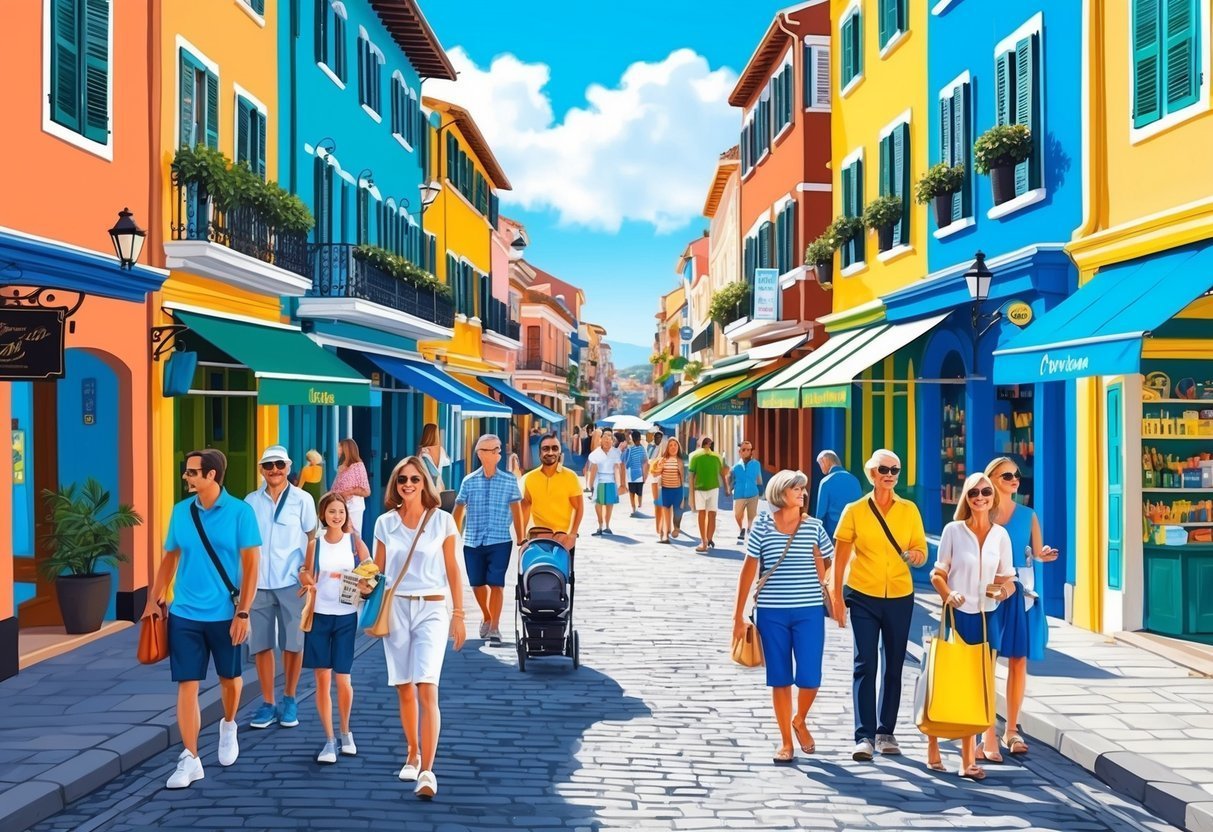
(969, 572)
(606, 464)
(330, 558)
(427, 571)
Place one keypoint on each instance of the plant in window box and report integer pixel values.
(659, 358)
(881, 215)
(996, 153)
(819, 256)
(844, 229)
(729, 302)
(940, 184)
(691, 370)
(401, 269)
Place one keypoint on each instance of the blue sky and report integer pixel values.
(610, 160)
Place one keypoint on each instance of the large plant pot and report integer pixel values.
(942, 203)
(884, 236)
(82, 601)
(1002, 180)
(823, 273)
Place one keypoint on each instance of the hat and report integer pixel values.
(275, 452)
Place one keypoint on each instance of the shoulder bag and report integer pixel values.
(153, 637)
(383, 621)
(210, 550)
(747, 650)
(880, 518)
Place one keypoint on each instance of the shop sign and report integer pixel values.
(734, 406)
(787, 397)
(1019, 313)
(766, 295)
(839, 396)
(31, 343)
(321, 392)
(1067, 365)
(686, 333)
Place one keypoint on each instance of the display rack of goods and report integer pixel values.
(952, 452)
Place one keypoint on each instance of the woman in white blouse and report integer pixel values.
(420, 624)
(973, 573)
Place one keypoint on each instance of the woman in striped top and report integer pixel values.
(790, 604)
(670, 473)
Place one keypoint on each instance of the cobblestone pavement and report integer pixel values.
(657, 730)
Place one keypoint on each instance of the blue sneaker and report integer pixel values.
(290, 712)
(265, 716)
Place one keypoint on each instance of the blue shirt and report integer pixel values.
(284, 534)
(747, 479)
(838, 489)
(795, 582)
(488, 501)
(634, 460)
(198, 592)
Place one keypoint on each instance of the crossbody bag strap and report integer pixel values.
(409, 559)
(786, 548)
(210, 550)
(880, 517)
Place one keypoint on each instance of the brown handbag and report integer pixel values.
(153, 637)
(383, 621)
(747, 650)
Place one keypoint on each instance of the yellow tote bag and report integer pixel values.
(956, 690)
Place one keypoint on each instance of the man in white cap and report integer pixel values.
(286, 516)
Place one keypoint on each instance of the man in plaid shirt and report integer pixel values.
(490, 501)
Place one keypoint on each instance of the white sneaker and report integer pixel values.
(229, 748)
(427, 785)
(863, 751)
(189, 769)
(410, 771)
(328, 754)
(347, 744)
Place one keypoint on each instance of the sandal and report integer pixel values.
(973, 773)
(984, 756)
(783, 757)
(801, 730)
(1015, 744)
(936, 765)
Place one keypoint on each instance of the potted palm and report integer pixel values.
(819, 256)
(83, 537)
(997, 151)
(938, 187)
(881, 215)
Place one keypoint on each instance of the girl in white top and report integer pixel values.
(973, 573)
(420, 623)
(328, 648)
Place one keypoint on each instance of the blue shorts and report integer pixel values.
(968, 627)
(330, 644)
(486, 565)
(671, 497)
(793, 633)
(192, 643)
(607, 494)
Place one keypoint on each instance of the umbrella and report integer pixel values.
(626, 423)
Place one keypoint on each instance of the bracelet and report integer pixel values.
(457, 612)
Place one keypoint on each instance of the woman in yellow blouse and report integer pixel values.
(311, 476)
(872, 576)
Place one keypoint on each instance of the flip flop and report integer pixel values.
(784, 756)
(801, 730)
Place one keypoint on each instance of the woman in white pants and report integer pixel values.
(420, 625)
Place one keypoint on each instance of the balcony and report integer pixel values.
(238, 246)
(347, 288)
(539, 366)
(496, 318)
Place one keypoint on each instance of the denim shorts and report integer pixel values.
(330, 643)
(486, 565)
(192, 643)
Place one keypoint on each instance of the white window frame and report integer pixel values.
(397, 75)
(239, 92)
(197, 54)
(851, 158)
(942, 6)
(1034, 25)
(377, 53)
(853, 9)
(1197, 108)
(54, 128)
(251, 12)
(814, 43)
(340, 11)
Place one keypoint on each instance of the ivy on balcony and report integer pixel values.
(403, 270)
(232, 187)
(730, 303)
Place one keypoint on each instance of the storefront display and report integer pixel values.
(952, 450)
(1014, 434)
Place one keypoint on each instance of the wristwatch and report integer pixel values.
(242, 615)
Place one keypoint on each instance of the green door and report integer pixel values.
(224, 422)
(1164, 591)
(1115, 505)
(1200, 592)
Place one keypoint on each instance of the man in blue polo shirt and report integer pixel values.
(286, 518)
(214, 590)
(746, 475)
(838, 489)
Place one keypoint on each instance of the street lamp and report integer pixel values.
(429, 192)
(127, 238)
(978, 279)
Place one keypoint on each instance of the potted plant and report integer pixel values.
(819, 255)
(997, 151)
(691, 370)
(83, 537)
(881, 215)
(938, 187)
(728, 302)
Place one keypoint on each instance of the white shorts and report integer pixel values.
(705, 500)
(416, 644)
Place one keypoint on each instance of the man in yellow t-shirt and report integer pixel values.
(551, 495)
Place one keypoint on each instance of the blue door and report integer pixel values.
(1114, 416)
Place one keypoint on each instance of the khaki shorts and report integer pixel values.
(746, 505)
(705, 500)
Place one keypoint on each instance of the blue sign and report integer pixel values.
(686, 333)
(766, 295)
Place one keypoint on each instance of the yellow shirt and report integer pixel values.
(550, 498)
(876, 568)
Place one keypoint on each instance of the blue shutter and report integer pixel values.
(244, 132)
(806, 76)
(748, 274)
(764, 246)
(258, 6)
(885, 175)
(1027, 172)
(96, 70)
(212, 110)
(261, 130)
(322, 25)
(186, 102)
(65, 63)
(323, 196)
(885, 21)
(339, 62)
(1003, 92)
(361, 71)
(1147, 75)
(1182, 54)
(946, 140)
(789, 231)
(901, 177)
(962, 146)
(857, 45)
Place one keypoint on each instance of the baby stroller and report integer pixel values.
(544, 595)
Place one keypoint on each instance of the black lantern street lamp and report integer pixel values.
(128, 239)
(978, 279)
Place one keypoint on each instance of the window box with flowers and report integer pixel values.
(939, 187)
(881, 215)
(819, 256)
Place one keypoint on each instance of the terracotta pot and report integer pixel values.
(82, 601)
(1002, 179)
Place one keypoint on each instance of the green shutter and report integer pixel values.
(1003, 94)
(885, 181)
(848, 52)
(962, 142)
(806, 76)
(212, 110)
(258, 6)
(857, 45)
(262, 126)
(186, 102)
(789, 235)
(882, 22)
(859, 243)
(321, 44)
(1147, 77)
(946, 140)
(244, 144)
(96, 70)
(889, 20)
(1027, 174)
(65, 63)
(901, 175)
(321, 202)
(1182, 54)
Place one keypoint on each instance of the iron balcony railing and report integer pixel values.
(497, 319)
(541, 366)
(337, 273)
(196, 217)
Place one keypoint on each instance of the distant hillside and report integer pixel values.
(641, 372)
(628, 355)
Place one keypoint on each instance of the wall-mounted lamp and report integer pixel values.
(128, 239)
(429, 192)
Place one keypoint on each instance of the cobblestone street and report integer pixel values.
(657, 730)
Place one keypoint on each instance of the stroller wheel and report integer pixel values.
(576, 651)
(521, 658)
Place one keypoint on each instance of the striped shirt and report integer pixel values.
(795, 582)
(633, 459)
(670, 469)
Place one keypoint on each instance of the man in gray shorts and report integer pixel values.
(286, 516)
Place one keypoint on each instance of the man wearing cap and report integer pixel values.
(286, 516)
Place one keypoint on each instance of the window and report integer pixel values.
(250, 135)
(891, 20)
(322, 173)
(781, 96)
(895, 176)
(785, 238)
(1017, 101)
(79, 93)
(851, 36)
(765, 260)
(370, 59)
(198, 118)
(956, 140)
(816, 76)
(330, 37)
(852, 206)
(1166, 47)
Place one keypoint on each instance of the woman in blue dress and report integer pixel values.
(1024, 630)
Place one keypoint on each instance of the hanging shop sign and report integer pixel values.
(837, 396)
(1019, 313)
(766, 295)
(31, 343)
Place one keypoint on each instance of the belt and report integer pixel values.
(424, 597)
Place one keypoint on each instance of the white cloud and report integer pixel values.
(642, 150)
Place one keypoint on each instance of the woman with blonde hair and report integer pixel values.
(420, 623)
(311, 476)
(351, 481)
(669, 471)
(1024, 630)
(972, 574)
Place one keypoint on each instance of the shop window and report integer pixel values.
(953, 442)
(1015, 434)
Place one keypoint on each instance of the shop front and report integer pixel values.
(1138, 340)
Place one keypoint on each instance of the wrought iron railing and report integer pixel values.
(544, 367)
(195, 216)
(497, 319)
(337, 273)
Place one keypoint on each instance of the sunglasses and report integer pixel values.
(981, 492)
(1007, 476)
(270, 466)
(193, 472)
(886, 470)
(412, 479)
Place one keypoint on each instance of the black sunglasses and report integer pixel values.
(886, 470)
(1007, 476)
(271, 465)
(413, 478)
(193, 472)
(981, 492)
